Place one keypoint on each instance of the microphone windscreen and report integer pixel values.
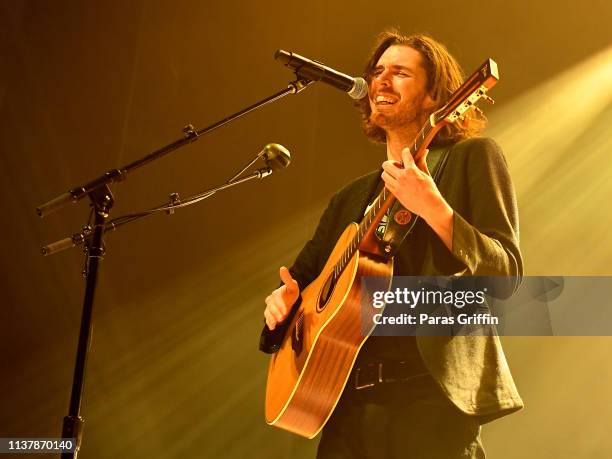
(359, 90)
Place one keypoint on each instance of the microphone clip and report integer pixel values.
(300, 84)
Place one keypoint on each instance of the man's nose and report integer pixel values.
(383, 78)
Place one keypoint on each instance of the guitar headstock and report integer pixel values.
(470, 92)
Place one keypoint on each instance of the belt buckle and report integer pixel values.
(364, 385)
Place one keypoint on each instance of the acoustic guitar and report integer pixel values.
(308, 373)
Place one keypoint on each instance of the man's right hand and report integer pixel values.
(280, 301)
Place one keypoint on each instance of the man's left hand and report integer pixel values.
(412, 185)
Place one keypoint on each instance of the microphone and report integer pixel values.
(357, 88)
(275, 156)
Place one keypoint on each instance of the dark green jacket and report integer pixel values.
(471, 370)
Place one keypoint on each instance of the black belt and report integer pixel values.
(371, 374)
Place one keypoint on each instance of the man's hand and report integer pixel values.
(414, 188)
(280, 301)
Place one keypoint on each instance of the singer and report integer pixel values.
(423, 397)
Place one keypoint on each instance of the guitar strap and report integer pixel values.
(399, 223)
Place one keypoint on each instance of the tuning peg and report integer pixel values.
(479, 111)
(488, 99)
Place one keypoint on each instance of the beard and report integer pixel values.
(405, 116)
(392, 121)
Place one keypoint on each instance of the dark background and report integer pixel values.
(174, 369)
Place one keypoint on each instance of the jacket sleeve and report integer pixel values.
(305, 269)
(486, 238)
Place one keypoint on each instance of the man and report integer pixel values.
(428, 395)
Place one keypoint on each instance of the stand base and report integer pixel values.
(73, 428)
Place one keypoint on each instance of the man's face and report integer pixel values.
(397, 95)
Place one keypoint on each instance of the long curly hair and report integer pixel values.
(444, 76)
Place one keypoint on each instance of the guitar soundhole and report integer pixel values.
(326, 292)
(297, 337)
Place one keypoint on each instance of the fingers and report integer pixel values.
(281, 300)
(407, 158)
(422, 163)
(275, 311)
(390, 181)
(390, 170)
(290, 282)
(270, 321)
(394, 169)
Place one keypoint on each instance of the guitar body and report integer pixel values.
(307, 375)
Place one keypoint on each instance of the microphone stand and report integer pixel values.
(102, 201)
(86, 235)
(72, 427)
